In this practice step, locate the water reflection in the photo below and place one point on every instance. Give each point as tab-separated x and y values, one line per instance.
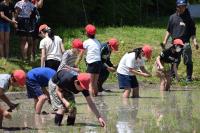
174	111
127	114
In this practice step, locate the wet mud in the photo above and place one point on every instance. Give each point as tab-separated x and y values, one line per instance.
155	111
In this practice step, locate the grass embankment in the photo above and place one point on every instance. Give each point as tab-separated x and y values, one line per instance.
129	37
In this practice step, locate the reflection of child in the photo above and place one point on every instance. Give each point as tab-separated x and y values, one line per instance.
163	62
16	78
132	64
37	80
4	113
67	84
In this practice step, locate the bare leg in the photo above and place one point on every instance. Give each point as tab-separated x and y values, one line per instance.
24	47
135	93
2	44
92	89
7	47
126	93
40	103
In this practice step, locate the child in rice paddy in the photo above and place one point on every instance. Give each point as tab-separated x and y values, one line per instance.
163	62
130	65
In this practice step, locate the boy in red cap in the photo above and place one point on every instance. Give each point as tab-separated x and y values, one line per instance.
168	57
67	84
107	66
70	56
132	64
68	61
16	78
93	57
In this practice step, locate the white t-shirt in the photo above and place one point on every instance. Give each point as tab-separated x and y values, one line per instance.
26	8
129	61
93	48
4	81
53	48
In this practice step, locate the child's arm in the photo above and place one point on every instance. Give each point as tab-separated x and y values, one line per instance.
79	58
143	69
95	111
159	63
5	113
60	95
43	57
175	71
140	73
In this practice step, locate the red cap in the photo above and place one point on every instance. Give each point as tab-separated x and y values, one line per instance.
178	42
113	44
147	51
77	43
20	77
90	29
84	79
42	27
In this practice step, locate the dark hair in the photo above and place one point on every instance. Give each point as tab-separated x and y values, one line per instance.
50	33
137	52
91	36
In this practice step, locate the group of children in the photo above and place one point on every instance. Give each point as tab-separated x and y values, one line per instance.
60	73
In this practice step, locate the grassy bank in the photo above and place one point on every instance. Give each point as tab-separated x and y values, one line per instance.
129	37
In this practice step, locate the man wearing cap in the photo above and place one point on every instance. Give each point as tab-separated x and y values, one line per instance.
107	66
67	84
16	78
182	26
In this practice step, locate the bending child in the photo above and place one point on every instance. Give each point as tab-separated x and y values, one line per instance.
16	78
163	62
132	64
69	83
107	66
37	80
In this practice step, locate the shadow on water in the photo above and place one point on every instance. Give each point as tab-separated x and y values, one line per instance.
87	124
18	128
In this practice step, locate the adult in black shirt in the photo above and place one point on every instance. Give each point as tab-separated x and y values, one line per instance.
182	26
163	61
107	66
69	83
6	18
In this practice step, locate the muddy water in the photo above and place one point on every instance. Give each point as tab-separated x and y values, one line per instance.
175	111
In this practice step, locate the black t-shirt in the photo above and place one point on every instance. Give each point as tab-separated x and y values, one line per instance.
167	56
7	9
65	81
105	54
181	26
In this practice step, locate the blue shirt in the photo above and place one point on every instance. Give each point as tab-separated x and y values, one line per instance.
41	75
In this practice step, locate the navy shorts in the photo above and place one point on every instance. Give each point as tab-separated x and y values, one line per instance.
94	67
4	27
127	81
34	89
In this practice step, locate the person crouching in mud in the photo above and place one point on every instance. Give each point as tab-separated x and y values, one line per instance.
69	83
163	62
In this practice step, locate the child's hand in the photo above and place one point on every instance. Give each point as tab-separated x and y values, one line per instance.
7	115
102	122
